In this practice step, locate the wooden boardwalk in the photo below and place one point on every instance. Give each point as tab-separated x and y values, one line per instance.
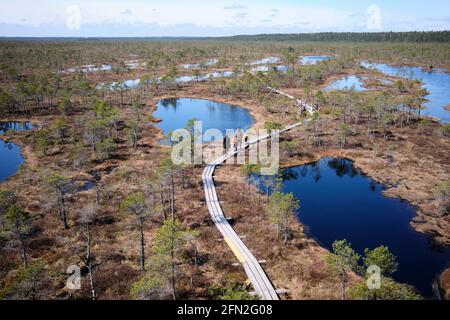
255	273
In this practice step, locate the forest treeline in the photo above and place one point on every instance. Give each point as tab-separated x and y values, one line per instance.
410	36
414	36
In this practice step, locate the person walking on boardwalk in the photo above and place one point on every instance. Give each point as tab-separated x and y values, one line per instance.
239	138
224	144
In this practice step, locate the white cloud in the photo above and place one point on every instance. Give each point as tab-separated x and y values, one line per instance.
127	11
235	7
240	15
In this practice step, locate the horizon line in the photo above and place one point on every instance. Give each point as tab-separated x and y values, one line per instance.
229	36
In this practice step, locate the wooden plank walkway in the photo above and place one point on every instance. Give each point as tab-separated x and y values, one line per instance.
255	273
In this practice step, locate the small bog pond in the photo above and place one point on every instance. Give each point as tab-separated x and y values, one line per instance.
309	60
437	83
135	83
268	60
347	83
354	82
204	77
339	202
10	159
282	69
91	68
208	63
10	156
15	126
176	112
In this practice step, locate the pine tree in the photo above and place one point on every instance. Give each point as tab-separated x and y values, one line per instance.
281	207
342	261
135	204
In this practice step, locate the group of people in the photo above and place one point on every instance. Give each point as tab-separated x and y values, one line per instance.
234	141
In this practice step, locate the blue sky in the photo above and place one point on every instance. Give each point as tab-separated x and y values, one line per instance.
119	18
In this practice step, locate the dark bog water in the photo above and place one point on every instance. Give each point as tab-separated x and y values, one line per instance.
339	202
176	112
437	83
10	157
15	126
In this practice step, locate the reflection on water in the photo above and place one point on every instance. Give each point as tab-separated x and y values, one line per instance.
205	77
268	60
309	60
282	69
15	126
10	159
437	83
339	202
91	68
263	65
176	112
134	83
209	63
348	82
